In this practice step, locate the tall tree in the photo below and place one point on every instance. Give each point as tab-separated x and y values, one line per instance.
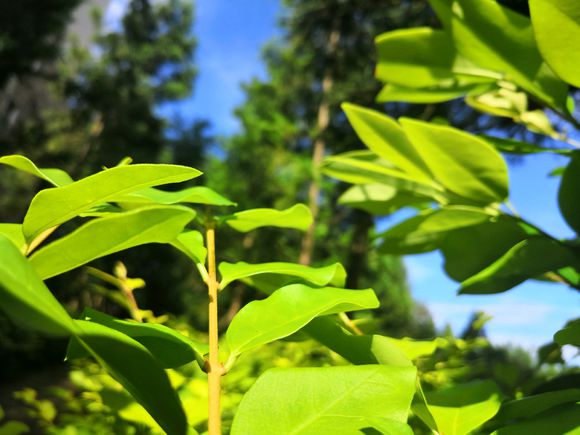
293	119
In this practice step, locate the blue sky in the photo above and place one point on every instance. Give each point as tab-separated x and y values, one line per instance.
231	34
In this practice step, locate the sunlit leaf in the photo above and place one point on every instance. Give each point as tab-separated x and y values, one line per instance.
14	233
51	207
334	274
297	217
514	146
287	310
428	95
557	31
378	199
56	177
460	409
110	234
384	136
463	163
193	195
326	400
191	244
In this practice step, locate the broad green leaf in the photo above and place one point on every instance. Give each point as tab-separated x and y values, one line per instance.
324	401
14	233
357	349
514	146
463	163
56	177
191	244
25	299
569	193
193	195
426	231
564	420
168	346
334	274
287	310
51	207
489	35
387	426
557	31
415	58
110	234
414	349
297	217
384	136
434	94
469	250
569	335
378	199
357	168
528	259
532	405
130	363
460	409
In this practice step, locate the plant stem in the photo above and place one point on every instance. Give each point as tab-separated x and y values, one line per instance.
214	368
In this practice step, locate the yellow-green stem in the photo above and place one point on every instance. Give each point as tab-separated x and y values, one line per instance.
214	368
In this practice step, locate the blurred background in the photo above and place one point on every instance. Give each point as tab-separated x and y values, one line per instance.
248	92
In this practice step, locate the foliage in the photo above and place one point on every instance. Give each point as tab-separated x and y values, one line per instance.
458	181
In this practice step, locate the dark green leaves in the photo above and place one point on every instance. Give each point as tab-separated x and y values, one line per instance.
329	400
104	236
287	310
55	206
25	298
569	335
137	370
569	194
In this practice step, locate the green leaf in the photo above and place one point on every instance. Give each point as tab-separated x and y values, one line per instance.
191	244
378	199
460	409
514	146
494	37
110	234
569	193
324	401
415	58
357	349
564	420
56	177
287	310
130	363
528	259
557	31
14	233
532	405
383	135
168	346
387	426
25	299
463	163
51	207
434	94
359	168
334	274
193	195
569	335
297	217
426	231
469	250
